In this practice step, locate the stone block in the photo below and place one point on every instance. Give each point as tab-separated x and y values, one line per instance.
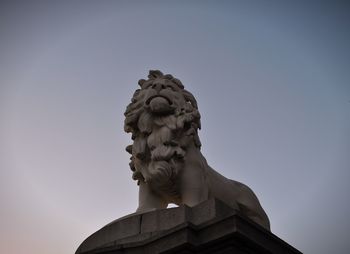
210	227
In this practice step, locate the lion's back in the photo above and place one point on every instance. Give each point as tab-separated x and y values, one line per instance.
223	188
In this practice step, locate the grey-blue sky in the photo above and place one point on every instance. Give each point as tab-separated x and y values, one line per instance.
271	79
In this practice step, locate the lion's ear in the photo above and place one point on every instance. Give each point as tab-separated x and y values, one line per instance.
178	83
169	77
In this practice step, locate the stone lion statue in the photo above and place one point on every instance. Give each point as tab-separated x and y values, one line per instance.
166	159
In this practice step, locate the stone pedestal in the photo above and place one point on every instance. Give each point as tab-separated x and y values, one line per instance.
210	227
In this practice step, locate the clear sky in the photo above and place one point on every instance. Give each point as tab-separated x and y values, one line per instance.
271	79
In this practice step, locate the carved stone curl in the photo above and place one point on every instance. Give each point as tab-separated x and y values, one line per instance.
165	155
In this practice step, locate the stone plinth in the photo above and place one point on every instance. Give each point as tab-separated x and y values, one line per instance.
210	227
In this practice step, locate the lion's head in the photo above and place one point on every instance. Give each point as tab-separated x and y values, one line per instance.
163	118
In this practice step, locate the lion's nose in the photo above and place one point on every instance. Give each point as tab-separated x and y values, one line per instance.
158	87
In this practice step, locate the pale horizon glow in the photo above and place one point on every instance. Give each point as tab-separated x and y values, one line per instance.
272	84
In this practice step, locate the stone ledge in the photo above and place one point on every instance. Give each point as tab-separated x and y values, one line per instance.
210	227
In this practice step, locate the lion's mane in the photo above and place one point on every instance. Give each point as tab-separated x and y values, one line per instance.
160	140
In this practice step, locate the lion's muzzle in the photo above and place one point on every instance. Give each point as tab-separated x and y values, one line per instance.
160	105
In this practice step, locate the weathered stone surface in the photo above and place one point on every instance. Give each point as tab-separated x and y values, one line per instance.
210	227
119	229
166	160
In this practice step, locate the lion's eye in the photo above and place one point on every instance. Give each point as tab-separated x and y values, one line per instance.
171	87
